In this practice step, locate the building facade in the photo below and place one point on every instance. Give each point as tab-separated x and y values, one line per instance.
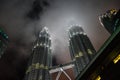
3	42
110	20
40	59
81	49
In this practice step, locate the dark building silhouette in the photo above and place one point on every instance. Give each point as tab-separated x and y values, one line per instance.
110	20
3	42
41	59
81	49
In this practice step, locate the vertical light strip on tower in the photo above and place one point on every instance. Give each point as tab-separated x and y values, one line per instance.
41	59
80	47
3	42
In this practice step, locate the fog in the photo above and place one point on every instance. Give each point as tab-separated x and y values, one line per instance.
23	19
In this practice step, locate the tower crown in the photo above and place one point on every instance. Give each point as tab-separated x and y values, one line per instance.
44	32
75	29
43	39
45	29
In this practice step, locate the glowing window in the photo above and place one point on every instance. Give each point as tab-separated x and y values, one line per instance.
98	78
116	59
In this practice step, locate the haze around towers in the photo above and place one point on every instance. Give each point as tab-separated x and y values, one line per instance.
57	15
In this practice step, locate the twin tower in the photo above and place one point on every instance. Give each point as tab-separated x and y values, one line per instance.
40	61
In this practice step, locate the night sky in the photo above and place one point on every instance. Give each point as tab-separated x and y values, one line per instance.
23	19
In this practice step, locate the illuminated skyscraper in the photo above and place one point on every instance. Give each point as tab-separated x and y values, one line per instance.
41	59
3	42
81	49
